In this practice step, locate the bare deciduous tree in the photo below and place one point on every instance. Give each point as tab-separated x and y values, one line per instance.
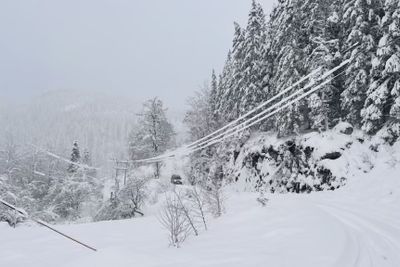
186	212
196	198
175	222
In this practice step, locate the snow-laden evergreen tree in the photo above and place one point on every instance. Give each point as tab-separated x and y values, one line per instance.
288	45
232	104
154	133
300	37
379	106
392	66
321	29
254	56
224	92
213	99
361	21
75	158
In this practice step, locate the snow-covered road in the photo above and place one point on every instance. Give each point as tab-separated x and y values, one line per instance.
371	241
358	225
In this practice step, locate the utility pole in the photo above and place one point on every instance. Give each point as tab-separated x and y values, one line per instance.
121	165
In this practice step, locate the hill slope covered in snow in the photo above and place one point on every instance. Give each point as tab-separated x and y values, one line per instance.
355	225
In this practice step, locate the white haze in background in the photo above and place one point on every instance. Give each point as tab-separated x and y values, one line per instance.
136	49
79	70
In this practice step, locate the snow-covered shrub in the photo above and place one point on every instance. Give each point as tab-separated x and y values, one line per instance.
127	203
132	196
109	211
69	196
6	214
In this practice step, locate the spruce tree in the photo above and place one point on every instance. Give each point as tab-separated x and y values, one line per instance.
378	106
232	106
75	158
361	21
392	66
225	90
214	94
320	28
288	51
254	50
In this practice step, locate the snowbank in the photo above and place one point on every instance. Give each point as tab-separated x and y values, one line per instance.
356	225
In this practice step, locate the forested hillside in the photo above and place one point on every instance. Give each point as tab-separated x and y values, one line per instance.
359	40
270	54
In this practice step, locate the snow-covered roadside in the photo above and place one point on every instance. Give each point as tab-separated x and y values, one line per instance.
357	225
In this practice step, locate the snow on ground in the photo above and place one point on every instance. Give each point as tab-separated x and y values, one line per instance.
357	225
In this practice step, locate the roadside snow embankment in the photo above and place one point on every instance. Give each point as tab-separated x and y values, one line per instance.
356	225
306	163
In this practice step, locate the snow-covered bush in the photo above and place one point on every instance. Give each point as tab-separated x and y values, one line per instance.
69	196
6	214
126	203
132	196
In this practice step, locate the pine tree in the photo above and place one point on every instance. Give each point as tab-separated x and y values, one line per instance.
287	47
392	66
361	20
225	89
232	105
75	158
254	51
378	106
213	99
323	44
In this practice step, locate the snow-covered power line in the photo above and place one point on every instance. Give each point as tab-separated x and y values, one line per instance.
42	223
250	112
256	108
244	125
203	142
80	165
318	87
262	105
269	114
299	91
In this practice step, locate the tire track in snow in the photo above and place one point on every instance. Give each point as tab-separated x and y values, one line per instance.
371	235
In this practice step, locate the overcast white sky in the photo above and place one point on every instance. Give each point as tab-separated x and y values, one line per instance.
134	48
